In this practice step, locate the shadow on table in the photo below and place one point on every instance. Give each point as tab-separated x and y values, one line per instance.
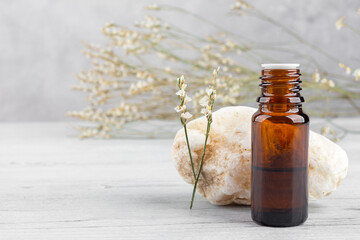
178	203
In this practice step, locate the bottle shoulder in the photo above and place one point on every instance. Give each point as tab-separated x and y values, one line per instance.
290	118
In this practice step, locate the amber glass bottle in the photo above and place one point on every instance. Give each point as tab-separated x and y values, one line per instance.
280	136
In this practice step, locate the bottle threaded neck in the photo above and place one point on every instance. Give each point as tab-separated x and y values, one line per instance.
280	86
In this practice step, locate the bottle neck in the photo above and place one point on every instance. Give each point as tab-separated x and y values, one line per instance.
280	108
280	90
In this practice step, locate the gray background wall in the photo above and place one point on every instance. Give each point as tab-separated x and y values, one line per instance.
40	42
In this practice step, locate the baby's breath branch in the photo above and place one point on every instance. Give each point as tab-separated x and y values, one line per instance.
220	28
184	114
199	17
130	79
207	102
339	24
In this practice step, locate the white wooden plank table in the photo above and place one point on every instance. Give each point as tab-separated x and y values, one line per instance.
54	186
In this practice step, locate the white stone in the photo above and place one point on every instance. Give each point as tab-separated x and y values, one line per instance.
226	170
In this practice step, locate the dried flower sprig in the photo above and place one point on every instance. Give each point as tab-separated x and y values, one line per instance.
339	24
184	99
184	114
207	103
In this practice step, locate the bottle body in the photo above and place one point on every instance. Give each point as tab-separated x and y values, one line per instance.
280	136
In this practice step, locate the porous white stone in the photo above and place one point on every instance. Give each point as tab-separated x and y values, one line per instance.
225	177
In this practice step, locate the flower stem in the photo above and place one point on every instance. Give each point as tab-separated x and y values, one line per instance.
201	163
188	146
353	29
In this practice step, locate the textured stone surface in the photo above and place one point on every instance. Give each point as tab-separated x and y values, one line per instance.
226	171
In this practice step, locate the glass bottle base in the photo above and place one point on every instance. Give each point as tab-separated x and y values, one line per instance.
279	217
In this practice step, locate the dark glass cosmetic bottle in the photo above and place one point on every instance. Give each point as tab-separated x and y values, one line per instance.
280	136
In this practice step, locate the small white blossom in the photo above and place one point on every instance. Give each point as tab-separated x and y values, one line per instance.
214	73
240	5
180	81
331	83
207	103
209	91
185	116
325	130
356	74
316	76
187	99
340	23
206	111
346	68
168	70
180	108
204	101
184	99
152	7
327	82
181	93
183	87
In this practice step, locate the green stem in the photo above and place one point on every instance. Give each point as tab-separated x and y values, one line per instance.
355	30
188	146
201	163
201	18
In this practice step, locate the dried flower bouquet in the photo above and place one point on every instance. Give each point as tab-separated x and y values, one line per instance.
132	75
